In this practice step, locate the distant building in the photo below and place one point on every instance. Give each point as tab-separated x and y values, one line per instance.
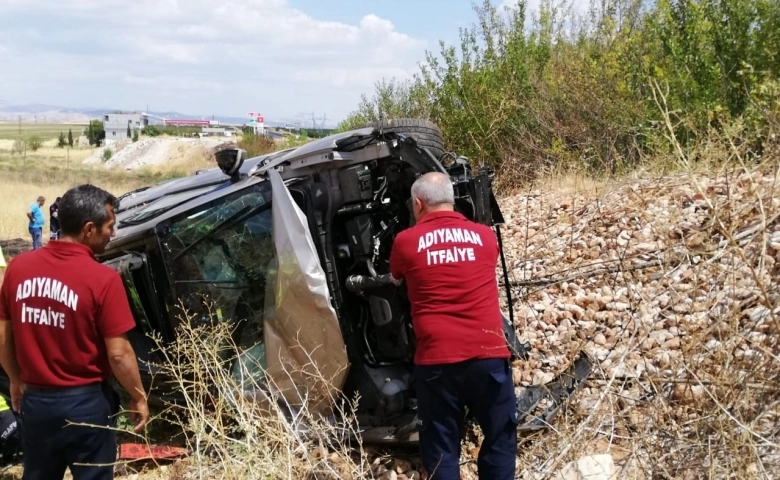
115	125
215	132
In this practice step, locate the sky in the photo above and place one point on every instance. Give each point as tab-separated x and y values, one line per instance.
286	59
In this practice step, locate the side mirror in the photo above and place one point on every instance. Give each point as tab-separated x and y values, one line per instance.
230	160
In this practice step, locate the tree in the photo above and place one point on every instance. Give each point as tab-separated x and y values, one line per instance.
61	142
135	135
95	132
34	143
151	131
70	137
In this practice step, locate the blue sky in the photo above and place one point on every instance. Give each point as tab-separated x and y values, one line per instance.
284	58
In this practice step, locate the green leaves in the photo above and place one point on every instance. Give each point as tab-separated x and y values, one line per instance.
564	90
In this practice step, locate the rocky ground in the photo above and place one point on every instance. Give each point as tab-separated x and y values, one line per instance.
671	286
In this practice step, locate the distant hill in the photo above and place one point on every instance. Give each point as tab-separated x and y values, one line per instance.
41	113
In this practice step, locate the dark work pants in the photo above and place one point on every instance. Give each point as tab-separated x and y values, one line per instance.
443	392
50	444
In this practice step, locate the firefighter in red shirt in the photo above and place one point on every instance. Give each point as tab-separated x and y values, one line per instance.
63	324
462	359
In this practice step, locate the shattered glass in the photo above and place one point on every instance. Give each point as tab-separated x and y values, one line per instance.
218	257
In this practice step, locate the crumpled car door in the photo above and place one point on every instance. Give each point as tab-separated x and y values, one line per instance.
306	358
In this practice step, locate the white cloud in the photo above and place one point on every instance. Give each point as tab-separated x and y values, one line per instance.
196	56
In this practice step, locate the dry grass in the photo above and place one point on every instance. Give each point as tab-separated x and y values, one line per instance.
236	424
51	171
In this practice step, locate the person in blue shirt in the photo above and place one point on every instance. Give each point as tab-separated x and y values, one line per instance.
36	222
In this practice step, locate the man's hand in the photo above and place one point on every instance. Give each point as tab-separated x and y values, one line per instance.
396	282
123	364
17	390
139	412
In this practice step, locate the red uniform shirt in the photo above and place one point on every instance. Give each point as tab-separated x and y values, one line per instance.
62	303
449	265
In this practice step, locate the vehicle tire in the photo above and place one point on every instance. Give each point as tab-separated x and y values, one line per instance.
426	133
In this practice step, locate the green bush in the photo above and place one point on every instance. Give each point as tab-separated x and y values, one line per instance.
34	143
256	145
106	154
151	131
579	92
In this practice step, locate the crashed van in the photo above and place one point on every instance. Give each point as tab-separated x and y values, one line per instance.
292	250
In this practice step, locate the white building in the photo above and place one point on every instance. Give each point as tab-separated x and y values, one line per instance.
115	125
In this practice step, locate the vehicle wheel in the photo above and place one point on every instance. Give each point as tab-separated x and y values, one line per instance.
426	133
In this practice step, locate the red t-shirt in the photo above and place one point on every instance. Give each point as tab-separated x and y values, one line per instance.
62	303
448	264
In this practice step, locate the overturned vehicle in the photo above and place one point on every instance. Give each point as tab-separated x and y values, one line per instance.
292	250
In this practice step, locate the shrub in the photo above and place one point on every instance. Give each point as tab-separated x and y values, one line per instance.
34	143
151	131
19	146
256	144
106	154
578	92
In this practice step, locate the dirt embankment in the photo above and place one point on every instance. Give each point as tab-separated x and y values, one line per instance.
158	151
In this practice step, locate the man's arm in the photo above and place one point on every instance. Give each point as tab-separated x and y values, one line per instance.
124	366
396	261
114	320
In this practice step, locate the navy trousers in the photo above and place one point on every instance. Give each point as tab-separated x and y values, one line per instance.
443	393
50	444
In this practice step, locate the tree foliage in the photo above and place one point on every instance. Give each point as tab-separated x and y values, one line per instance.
95	133
34	143
530	94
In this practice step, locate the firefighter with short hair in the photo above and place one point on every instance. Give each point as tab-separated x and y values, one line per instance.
462	359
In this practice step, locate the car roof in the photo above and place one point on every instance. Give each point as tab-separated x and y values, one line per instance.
198	180
191	199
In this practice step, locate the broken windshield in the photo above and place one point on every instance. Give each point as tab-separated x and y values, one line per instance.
218	256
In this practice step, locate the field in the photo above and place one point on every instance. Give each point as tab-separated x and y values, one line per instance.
13	131
51	171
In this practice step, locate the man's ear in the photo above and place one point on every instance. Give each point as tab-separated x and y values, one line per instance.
89	229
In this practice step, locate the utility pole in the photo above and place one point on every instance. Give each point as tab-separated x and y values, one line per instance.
20	124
